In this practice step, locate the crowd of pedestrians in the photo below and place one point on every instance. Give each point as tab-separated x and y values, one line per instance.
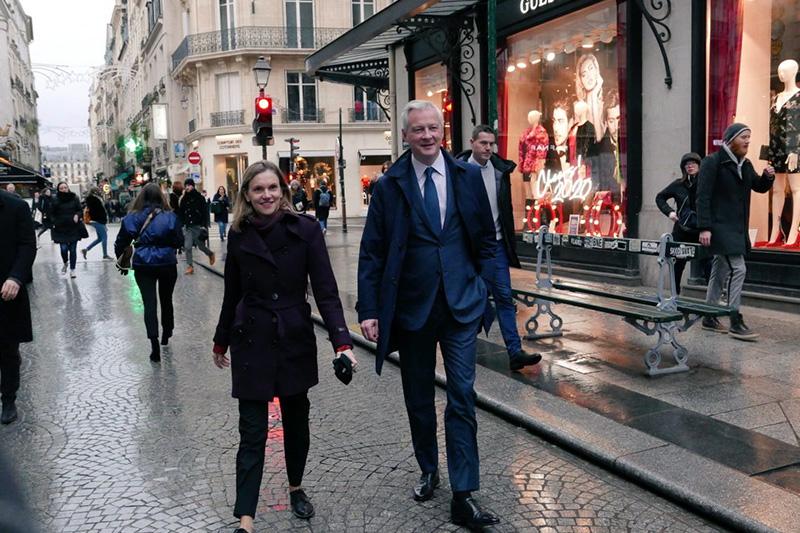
439	239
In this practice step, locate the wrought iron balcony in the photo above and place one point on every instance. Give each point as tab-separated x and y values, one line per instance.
370	113
227	118
254	37
303	115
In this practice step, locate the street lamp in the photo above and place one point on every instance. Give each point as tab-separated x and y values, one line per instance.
261	71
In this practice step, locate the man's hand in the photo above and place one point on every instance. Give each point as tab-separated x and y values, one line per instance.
705	238
769	170
10	290
370	329
673	216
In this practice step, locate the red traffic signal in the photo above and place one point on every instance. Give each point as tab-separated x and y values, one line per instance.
263	108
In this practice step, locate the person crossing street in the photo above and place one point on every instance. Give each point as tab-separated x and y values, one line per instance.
194	215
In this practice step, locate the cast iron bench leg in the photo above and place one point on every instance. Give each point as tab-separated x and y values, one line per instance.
543	307
667	336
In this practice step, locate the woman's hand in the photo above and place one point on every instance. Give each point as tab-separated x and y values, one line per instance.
350	355
221	360
673	216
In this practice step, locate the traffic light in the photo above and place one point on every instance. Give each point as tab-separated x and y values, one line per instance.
262	124
294	148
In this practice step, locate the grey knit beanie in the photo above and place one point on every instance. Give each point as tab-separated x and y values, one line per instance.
733	131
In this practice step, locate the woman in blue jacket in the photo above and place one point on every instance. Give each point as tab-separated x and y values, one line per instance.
157	233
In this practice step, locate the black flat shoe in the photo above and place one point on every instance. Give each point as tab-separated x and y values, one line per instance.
165	338
155	351
240	530
423	491
468	514
9	413
521	359
301	505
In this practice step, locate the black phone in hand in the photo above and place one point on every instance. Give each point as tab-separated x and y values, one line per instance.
343	368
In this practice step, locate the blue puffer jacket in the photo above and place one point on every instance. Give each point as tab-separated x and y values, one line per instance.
156	247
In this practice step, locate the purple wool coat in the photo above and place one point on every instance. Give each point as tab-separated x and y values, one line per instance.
266	318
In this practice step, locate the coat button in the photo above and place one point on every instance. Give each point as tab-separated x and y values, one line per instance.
274	296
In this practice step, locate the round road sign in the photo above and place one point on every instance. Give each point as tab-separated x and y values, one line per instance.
194	158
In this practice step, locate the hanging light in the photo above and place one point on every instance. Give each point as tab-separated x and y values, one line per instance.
550	55
535	60
430	93
511	68
569	48
522	64
587	43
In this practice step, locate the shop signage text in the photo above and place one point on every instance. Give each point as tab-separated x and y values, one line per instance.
529	6
564	185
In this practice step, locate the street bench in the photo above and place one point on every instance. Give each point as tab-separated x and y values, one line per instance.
653	314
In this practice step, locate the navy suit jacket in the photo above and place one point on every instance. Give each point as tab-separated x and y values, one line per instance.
382	259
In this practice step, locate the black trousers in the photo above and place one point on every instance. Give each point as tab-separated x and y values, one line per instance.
10	362
160	282
253	425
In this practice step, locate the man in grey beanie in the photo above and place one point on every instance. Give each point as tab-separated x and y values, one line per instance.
723	216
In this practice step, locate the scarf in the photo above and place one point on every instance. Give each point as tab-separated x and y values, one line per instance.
735	159
263	224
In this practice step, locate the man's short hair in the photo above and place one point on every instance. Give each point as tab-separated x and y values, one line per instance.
611	99
419	105
482	128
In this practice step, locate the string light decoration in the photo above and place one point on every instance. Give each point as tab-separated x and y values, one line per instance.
603	203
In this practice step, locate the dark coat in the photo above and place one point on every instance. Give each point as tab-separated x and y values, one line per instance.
221	205
156	246
63	209
683	193
265	316
300	200
723	201
193	210
17	252
502	170
97	212
386	233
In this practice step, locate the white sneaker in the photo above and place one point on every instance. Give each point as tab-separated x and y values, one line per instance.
72	274
64	269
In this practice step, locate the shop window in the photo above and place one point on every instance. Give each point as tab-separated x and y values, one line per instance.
365	105
752	78
430	83
561	118
311	172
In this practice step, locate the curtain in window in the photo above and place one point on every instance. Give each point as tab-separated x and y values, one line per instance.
727	20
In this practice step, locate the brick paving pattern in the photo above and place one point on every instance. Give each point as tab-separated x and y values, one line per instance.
108	441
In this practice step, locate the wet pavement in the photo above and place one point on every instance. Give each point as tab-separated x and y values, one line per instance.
108	441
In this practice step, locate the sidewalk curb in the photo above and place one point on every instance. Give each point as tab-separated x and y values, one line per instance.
722	494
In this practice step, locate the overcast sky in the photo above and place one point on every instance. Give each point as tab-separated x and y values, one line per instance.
71	33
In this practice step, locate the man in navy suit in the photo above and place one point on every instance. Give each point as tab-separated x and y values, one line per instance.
428	239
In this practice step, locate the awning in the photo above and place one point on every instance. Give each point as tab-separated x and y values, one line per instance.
366	152
10	173
360	56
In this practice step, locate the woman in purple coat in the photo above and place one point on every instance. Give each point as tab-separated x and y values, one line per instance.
266	322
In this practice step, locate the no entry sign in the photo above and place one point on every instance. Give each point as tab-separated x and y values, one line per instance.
194	158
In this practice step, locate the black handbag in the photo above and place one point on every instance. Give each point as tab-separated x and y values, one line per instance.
123	262
687	217
82	231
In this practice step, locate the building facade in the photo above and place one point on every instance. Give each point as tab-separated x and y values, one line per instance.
19	125
596	100
71	163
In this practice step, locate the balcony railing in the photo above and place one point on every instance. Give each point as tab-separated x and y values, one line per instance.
367	114
227	118
257	37
303	115
192	125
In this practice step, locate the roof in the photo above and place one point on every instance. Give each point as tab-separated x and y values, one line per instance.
365	47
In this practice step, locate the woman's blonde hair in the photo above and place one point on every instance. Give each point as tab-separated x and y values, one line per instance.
242	209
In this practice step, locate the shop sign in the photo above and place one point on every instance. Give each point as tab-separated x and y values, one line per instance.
229	142
682	251
563	185
529	6
650	247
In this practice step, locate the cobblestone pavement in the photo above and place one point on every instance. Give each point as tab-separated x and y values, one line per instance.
108	441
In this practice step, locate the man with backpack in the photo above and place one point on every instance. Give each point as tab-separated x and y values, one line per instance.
323	198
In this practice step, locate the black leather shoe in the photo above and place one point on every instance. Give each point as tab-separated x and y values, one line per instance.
301	505
240	530
165	337
522	359
468	514
9	413
423	491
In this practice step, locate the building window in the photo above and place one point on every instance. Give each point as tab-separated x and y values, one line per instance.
561	118
301	91
430	83
299	24
362	10
229	92
227	25
365	105
752	78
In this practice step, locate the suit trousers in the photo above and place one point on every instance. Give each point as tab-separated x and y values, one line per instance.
253	426
157	283
10	362
417	366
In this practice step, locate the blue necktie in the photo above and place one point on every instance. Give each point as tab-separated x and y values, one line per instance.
432	201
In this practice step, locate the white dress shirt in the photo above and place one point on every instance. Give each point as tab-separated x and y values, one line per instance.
490	183
439	180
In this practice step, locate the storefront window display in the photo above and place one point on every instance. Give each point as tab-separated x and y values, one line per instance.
561	120
430	83
311	172
752	78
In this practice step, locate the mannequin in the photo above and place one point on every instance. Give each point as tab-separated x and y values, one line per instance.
533	145
582	138
784	146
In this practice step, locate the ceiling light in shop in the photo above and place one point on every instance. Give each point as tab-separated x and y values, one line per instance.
430	93
569	48
511	68
550	56
587	43
522	64
536	60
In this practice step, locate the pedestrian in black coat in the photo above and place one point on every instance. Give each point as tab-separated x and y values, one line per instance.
323	200
68	229
266	322
98	219
45	202
194	215
723	215
17	252
220	206
683	192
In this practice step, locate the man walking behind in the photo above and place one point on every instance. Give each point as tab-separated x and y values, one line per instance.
194	215
17	252
496	174
428	235
723	212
